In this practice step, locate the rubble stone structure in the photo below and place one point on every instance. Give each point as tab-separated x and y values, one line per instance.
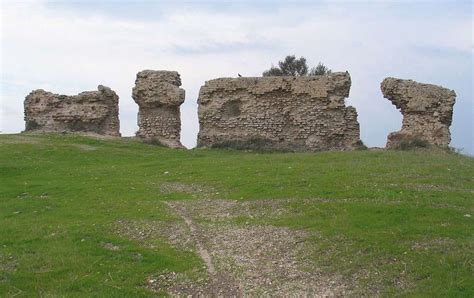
159	97
89	112
290	113
427	111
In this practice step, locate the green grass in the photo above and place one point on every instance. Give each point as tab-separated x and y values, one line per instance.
398	216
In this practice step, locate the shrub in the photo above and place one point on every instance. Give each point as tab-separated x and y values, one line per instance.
361	146
291	66
154	142
412	144
31	125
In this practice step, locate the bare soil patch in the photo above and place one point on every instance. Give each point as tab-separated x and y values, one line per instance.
245	259
147	231
111	246
195	189
7	263
220	210
439	244
269	260
434	187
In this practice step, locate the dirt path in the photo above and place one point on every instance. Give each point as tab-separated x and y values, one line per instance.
219	283
203	253
244	260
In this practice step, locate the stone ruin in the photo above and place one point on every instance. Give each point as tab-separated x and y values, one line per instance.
91	112
305	113
159	97
427	111
285	113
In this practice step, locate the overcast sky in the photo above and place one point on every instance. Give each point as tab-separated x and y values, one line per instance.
72	46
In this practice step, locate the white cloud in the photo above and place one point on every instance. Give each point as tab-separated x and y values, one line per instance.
66	51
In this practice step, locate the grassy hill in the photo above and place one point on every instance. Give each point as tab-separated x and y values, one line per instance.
89	217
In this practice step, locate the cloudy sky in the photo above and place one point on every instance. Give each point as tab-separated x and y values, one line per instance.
71	46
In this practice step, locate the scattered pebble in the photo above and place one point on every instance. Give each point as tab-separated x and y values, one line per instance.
249	259
111	246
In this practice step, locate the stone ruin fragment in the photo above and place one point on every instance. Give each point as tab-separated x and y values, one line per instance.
427	111
305	113
159	97
89	112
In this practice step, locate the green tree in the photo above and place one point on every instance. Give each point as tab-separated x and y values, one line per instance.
291	66
319	70
273	72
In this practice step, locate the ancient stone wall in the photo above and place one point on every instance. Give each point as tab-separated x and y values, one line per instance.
90	112
159	97
289	113
427	111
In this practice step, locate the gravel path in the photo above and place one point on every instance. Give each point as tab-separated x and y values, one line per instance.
203	253
243	260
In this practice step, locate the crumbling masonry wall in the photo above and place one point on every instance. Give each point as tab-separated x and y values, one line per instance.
90	112
427	111
159	97
290	113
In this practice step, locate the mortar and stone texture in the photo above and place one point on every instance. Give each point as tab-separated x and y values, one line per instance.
88	112
306	113
159	97
427	111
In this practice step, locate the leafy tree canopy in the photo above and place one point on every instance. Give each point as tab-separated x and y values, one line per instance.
291	66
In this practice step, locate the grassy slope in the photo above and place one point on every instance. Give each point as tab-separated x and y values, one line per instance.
399	216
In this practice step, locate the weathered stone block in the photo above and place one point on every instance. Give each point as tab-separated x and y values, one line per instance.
89	112
289	113
427	111
159	97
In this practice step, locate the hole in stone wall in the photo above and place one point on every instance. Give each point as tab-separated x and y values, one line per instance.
231	108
